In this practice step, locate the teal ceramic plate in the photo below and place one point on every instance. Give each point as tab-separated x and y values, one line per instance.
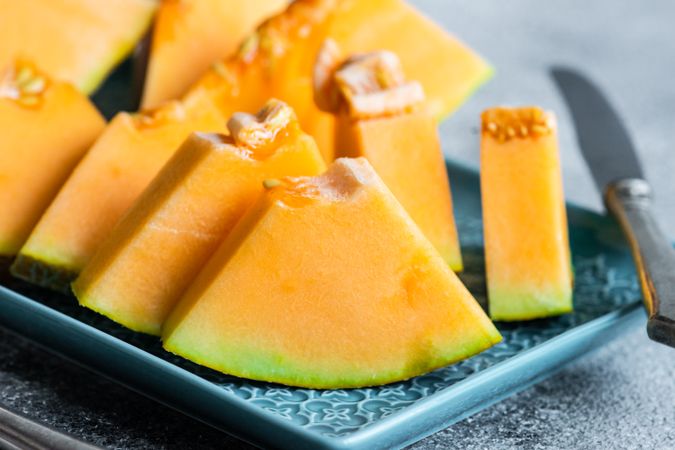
606	300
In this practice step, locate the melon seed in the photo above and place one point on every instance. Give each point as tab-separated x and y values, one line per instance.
33	85
24	74
271	183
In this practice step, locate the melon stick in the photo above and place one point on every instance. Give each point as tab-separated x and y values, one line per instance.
152	255
47	126
382	117
527	253
326	282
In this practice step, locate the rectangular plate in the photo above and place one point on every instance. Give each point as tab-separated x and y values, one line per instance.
606	299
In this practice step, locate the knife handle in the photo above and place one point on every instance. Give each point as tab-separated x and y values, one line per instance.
630	201
19	432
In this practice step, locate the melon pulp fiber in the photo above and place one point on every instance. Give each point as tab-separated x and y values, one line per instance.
277	60
326	282
107	181
152	255
79	41
198	31
529	271
46	128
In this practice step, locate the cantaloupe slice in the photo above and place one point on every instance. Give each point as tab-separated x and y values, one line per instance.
128	154
79	41
448	70
276	61
47	126
381	117
326	282
147	261
189	35
527	252
281	55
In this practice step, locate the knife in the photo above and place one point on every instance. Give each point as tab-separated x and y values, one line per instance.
609	152
20	433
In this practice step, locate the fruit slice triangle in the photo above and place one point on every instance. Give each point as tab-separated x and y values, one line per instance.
326	282
152	255
199	31
78	41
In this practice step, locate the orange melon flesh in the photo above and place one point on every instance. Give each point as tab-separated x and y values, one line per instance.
122	162
283	50
41	121
405	151
147	261
527	252
198	31
326	282
79	41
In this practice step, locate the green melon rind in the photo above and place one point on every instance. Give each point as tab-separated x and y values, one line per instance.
42	273
510	305
258	364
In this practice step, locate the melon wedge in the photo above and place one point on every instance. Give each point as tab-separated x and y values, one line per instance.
529	271
198	31
79	41
122	162
381	116
448	70
278	59
326	282
47	126
151	256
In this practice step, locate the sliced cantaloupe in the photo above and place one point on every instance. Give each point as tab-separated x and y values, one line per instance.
448	70
79	41
281	55
326	282
527	253
128	154
47	126
276	61
198	31
147	261
381	117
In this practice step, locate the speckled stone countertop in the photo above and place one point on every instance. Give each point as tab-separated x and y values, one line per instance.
620	396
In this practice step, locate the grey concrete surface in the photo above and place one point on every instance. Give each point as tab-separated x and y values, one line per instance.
619	397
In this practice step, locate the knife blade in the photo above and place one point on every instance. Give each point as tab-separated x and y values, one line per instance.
609	152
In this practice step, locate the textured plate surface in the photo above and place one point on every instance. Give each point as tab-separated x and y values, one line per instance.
606	299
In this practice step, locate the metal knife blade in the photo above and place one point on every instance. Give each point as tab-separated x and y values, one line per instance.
605	143
613	161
